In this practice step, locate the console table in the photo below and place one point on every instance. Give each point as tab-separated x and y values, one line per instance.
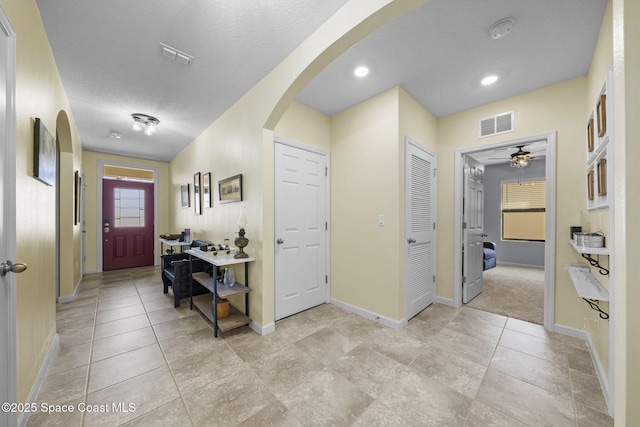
217	289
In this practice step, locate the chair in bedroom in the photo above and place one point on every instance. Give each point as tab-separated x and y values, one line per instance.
489	255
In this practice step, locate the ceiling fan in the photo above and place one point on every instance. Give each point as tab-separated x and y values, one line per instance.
520	158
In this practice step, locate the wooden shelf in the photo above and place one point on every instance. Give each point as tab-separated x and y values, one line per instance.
223	290
204	303
586	285
588	249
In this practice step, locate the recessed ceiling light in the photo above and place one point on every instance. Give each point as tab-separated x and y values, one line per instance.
489	80
361	71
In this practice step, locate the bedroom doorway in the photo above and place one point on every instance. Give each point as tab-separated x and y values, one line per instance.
501	153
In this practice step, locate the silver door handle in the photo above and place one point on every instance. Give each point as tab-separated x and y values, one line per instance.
279	241
410	240
8	266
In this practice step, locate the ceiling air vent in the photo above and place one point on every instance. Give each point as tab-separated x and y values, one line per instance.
495	125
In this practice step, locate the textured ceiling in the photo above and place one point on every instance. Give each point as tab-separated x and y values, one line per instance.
111	63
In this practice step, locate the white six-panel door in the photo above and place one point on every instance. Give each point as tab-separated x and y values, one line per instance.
419	229
472	229
300	230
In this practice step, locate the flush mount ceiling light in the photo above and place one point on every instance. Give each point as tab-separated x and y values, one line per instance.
146	122
501	28
115	134
361	71
489	80
173	53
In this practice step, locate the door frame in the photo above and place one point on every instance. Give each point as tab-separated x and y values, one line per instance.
327	155
550	232
156	206
8	160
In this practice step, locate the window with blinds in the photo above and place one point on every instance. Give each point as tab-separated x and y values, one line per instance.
523	208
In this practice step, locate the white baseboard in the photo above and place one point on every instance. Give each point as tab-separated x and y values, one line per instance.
395	324
515	264
445	301
262	330
580	333
70	298
33	394
91	272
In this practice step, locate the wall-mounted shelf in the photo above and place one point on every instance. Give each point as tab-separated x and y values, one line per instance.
588	288
588	249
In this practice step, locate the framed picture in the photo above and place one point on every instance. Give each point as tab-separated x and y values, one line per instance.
44	154
590	183
77	185
602	177
185	196
206	190
196	194
602	115
230	189
590	135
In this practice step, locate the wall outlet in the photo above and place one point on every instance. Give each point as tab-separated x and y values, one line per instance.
380	220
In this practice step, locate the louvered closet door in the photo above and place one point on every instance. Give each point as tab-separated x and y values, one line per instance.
420	229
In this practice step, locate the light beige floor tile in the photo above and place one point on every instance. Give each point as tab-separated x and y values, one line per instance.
201	342
482	316
534	346
326	399
357	328
476	328
238	398
156	305
64	386
379	415
156	296
57	418
458	373
367	369
462	345
77	321
181	326
326	345
122	343
119	313
251	346
580	360
114	292
274	414
539	372
587	391
120	326
297	327
67	358
119	368
421	330
527	328
396	345
525	402
146	392
587	417
72	337
74	310
482	415
284	370
426	402
438	314
171	414
114	303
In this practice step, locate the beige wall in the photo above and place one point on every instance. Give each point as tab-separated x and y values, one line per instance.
39	93
91	182
306	126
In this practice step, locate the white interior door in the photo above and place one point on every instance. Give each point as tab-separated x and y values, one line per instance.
300	230
419	229
7	219
472	229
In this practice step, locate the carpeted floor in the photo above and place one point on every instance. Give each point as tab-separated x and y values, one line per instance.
516	292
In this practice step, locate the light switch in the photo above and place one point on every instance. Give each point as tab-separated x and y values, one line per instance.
380	220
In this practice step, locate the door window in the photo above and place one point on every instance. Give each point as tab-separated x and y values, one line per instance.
129	207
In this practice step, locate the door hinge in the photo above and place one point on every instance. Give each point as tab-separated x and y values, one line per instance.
326	280
434	225
464	225
326	225
434	278
464	279
326	171
435	172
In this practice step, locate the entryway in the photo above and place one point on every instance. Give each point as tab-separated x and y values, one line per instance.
301	228
549	216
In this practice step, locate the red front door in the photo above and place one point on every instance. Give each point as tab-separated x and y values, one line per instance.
127	224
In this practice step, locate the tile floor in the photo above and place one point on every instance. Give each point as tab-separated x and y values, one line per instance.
122	342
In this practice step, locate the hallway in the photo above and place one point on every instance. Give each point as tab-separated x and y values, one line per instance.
122	342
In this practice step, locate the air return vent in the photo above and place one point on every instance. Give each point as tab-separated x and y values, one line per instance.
495	125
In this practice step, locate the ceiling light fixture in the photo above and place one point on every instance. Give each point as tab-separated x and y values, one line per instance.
501	28
146	122
115	134
361	71
489	80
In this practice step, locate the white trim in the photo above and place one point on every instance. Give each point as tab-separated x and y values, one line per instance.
445	301
395	324
262	330
597	364
156	207
327	156
8	317
515	264
549	251
72	297
33	393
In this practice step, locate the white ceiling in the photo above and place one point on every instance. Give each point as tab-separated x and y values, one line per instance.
111	64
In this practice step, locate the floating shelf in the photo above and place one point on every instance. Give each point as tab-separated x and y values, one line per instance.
588	249
586	285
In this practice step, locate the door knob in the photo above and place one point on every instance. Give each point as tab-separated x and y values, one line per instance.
8	266
279	241
484	235
411	240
